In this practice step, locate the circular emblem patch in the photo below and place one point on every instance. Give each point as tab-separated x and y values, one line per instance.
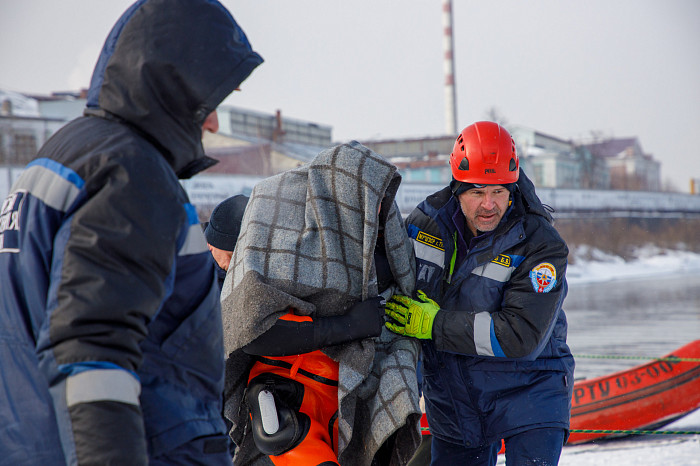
543	277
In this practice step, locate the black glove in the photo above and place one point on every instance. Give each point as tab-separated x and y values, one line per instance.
364	319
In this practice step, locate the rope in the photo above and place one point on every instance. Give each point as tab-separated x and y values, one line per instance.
612	356
625	432
636	432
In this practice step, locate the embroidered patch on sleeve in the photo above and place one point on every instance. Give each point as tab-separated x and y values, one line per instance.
430	240
543	277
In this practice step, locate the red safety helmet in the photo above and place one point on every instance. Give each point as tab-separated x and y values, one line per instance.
484	153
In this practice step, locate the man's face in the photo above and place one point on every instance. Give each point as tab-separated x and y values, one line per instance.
223	258
484	207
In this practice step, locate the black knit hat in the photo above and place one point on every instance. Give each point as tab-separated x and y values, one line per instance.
225	223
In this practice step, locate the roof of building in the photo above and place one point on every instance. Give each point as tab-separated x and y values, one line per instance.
439	161
246	154
245	160
611	147
16	104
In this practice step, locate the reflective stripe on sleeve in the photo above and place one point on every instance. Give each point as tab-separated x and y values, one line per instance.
51	182
429	253
494	272
482	334
102	385
195	243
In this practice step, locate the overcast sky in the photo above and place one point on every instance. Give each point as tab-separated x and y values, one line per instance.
373	69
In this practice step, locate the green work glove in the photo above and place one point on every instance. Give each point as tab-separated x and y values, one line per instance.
414	317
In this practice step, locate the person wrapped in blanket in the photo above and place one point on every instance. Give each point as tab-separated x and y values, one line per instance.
312	375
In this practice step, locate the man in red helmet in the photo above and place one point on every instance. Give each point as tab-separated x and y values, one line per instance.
491	280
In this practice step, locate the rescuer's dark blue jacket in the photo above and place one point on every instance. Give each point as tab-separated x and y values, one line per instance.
498	362
110	326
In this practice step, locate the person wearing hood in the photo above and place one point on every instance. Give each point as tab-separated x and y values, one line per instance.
112	348
312	375
488	310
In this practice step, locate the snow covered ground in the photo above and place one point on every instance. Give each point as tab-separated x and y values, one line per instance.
657	450
592	265
662	450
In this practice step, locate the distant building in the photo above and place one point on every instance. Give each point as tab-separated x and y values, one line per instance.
432	169
259	144
255	143
549	161
235	121
23	128
630	168
237	156
248	142
419	160
62	105
412	148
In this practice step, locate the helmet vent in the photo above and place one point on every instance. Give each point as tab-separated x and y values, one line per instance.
464	164
511	167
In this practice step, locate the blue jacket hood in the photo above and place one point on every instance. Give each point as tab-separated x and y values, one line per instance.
164	67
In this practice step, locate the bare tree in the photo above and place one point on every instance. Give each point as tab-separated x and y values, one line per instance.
669	186
495	115
598	135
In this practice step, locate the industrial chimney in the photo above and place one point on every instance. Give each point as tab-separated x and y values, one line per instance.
448	67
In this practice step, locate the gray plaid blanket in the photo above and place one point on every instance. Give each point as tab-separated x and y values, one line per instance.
307	242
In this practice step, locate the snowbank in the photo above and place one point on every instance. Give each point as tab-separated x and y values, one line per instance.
592	265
